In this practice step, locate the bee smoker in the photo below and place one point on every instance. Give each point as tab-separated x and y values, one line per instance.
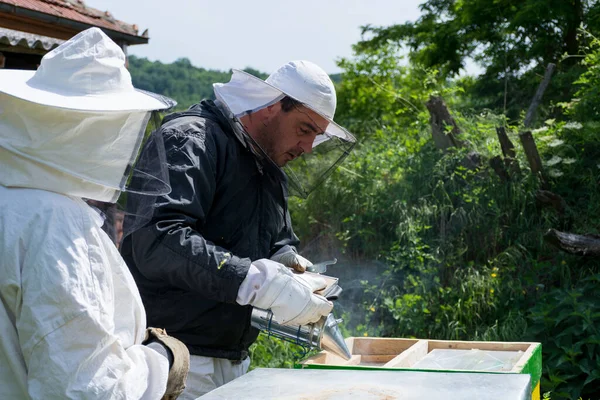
323	334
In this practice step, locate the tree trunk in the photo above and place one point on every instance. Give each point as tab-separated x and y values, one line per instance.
574	20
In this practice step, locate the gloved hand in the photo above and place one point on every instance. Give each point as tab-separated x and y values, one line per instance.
292	260
272	286
179	360
312	281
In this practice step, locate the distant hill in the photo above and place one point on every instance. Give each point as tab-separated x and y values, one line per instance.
181	80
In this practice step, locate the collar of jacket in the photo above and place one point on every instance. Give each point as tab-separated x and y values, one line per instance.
233	125
262	160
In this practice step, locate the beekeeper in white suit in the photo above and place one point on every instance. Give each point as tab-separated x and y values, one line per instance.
72	322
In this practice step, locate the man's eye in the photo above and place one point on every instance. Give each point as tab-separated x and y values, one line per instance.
304	131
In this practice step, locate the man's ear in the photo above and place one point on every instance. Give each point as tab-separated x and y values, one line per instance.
273	109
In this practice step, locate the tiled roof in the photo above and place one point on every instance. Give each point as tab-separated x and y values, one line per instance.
17	38
76	10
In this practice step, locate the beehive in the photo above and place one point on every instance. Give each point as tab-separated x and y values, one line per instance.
436	355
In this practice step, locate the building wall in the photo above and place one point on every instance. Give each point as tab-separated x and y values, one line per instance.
14	60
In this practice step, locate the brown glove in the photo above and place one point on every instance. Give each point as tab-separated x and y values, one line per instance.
181	360
292	260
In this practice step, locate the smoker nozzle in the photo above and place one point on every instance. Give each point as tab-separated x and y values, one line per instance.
332	339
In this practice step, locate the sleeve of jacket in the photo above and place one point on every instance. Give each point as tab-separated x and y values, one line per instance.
66	322
172	248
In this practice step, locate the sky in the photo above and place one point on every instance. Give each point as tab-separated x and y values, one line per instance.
261	34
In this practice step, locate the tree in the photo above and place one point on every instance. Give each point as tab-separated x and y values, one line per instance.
179	80
513	40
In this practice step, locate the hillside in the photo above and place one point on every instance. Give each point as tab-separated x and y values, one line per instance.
180	80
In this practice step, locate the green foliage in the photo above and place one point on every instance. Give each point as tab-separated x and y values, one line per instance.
270	352
586	105
180	80
567	320
512	40
462	252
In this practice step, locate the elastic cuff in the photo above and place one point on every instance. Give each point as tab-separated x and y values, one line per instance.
162	350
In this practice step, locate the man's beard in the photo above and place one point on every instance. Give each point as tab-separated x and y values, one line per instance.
269	137
266	138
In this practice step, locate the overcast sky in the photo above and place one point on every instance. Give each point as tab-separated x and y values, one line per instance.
262	34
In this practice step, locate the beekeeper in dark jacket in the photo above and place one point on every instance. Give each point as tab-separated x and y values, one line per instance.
222	242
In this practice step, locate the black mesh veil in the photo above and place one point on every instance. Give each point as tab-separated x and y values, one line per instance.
306	173
147	172
148	178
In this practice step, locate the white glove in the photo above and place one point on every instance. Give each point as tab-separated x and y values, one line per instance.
272	286
288	257
312	281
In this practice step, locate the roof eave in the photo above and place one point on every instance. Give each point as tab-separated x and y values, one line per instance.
70	24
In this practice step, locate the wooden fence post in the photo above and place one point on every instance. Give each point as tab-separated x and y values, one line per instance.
439	119
531	151
583	245
533	156
498	167
508	151
537	98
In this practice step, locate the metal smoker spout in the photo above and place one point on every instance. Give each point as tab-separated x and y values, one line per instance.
332	339
323	334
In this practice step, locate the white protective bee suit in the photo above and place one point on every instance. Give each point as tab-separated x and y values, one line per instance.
71	318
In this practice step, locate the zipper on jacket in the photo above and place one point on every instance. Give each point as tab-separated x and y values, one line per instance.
285	207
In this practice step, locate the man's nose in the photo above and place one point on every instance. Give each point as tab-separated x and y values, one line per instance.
307	144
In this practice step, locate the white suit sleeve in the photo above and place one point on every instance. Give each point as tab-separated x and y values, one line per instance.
81	321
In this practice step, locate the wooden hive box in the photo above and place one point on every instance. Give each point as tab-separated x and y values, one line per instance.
406	354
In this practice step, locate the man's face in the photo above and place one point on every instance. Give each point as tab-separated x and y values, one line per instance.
286	135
